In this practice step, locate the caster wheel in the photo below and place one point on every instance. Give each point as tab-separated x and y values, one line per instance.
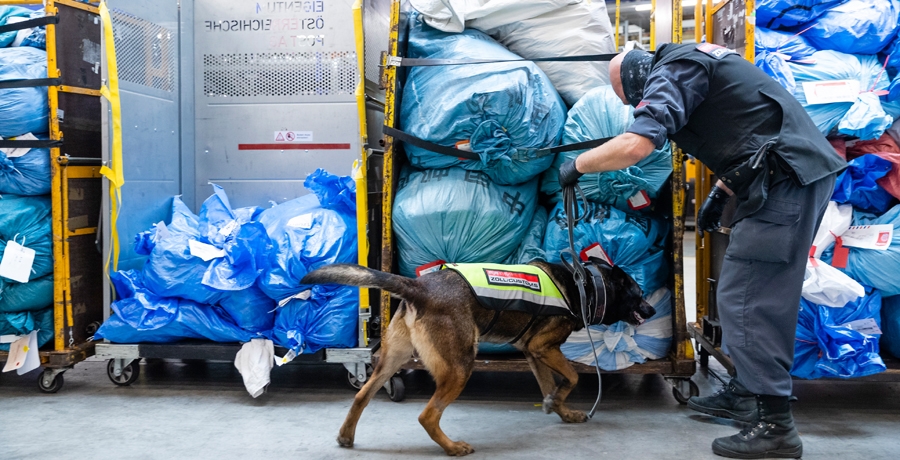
91	328
354	382
129	373
396	389
53	385
693	390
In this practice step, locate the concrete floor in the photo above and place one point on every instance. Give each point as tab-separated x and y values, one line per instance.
200	410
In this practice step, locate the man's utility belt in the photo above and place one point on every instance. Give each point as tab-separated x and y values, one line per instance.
750	180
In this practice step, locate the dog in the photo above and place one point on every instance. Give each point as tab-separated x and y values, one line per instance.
442	320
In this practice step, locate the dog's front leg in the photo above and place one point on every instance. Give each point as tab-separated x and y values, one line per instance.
555	401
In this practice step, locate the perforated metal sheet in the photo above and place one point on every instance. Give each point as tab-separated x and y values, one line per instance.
280	74
376	28
146	52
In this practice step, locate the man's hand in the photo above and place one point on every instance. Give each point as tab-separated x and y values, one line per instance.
568	175
710	215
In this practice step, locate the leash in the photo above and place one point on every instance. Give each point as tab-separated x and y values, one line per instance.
579	273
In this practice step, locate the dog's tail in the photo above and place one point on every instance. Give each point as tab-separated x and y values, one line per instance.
355	275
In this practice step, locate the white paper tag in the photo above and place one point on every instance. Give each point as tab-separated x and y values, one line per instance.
866	326
288	357
16	153
639	200
205	251
304	221
162	231
430	267
869	236
23	354
595	250
17	261
826	92
227	229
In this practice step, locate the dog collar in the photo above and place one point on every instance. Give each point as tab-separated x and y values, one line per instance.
597	293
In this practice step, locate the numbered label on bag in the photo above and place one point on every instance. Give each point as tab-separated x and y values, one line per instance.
17	261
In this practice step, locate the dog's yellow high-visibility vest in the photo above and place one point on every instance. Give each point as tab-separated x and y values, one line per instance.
524	288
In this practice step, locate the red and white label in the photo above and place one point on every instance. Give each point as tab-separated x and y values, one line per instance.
429	267
639	200
508	278
595	250
869	236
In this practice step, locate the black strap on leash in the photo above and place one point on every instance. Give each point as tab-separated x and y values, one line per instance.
30	144
468	155
30	83
36	22
397	61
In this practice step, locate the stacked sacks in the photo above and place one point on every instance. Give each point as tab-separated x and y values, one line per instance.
877	268
773	51
23	323
779	14
503	112
855	26
621	345
23	110
25	171
25	221
459	216
307	233
600	114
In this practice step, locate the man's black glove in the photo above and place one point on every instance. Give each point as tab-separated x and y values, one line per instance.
711	212
568	175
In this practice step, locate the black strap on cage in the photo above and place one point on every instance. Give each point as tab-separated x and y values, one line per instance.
30	83
397	61
465	154
36	22
29	144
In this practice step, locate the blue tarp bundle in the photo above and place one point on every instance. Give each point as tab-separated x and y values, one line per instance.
23	323
26	220
875	267
864	118
828	346
459	216
776	14
309	232
142	316
633	242
28	174
600	114
229	279
532	245
890	325
328	318
6	13
857	186
503	110
856	26
621	345
23	110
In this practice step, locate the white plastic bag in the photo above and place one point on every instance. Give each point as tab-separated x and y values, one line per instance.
573	30
456	15
254	361
835	222
826	285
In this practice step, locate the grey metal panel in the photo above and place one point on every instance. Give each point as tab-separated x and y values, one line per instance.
186	49
261	68
147	52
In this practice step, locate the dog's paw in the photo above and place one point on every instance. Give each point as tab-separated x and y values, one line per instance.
345	441
458	449
574	416
548	405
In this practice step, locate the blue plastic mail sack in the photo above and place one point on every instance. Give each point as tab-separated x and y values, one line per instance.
504	111
600	114
459	216
787	43
838	342
309	232
7	13
141	316
28	174
235	248
633	242
856	26
34	295
328	318
890	325
23	110
25	322
857	186
621	345
868	115
26	219
875	267
775	66
777	14
532	245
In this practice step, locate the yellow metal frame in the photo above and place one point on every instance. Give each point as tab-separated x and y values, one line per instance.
361	168
387	203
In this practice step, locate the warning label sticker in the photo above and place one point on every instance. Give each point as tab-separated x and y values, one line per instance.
293	136
508	278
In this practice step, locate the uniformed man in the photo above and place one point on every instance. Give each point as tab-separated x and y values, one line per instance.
771	157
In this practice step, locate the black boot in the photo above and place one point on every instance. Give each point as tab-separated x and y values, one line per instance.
733	402
773	435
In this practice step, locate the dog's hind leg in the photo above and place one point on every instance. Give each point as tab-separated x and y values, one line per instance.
450	360
396	350
555	401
